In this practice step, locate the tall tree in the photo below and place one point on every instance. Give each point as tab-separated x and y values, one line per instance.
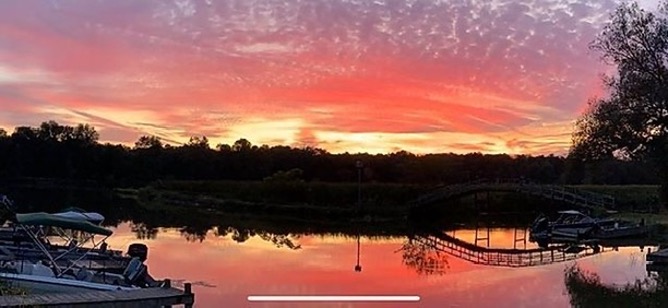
148	142
198	142
632	122
86	134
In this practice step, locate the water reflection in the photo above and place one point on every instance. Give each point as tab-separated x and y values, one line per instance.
231	257
391	265
358	267
144	232
240	236
423	259
586	289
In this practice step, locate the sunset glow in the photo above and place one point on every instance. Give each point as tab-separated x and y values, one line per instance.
359	76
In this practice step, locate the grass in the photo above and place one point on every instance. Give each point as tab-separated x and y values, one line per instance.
319	200
628	196
211	205
298	192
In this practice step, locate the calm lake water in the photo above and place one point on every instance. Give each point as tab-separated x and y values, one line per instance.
228	258
225	272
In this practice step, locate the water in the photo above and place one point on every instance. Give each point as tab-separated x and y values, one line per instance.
225	272
228	258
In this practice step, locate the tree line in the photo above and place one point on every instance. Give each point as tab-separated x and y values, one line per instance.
59	151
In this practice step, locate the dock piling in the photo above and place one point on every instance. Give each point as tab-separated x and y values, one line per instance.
187	289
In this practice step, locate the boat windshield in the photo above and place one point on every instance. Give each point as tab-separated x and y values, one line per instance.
572	218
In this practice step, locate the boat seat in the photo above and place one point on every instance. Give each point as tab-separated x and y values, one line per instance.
40	269
84	275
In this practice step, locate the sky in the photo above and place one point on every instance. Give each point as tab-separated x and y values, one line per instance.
377	76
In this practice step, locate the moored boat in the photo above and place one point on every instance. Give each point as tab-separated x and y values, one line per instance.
64	271
570	226
620	230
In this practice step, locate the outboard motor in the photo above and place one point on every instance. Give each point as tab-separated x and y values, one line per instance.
135	272
539	231
540	224
138	250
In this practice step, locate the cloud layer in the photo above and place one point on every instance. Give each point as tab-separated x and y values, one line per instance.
345	75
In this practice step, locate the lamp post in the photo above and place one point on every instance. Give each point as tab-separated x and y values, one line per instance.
358	267
359	166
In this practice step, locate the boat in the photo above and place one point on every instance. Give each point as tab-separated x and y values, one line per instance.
77	213
63	271
620	230
570	226
16	240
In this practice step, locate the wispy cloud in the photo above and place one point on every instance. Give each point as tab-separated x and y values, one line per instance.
345	75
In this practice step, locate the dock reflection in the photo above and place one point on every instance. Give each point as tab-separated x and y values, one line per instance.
500	248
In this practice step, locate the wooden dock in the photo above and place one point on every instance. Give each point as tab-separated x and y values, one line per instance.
657	261
149	297
570	195
659	256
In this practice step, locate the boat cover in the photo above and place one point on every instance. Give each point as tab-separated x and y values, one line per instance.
46	219
571	212
93	217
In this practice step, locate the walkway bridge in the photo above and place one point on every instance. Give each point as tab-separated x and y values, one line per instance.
571	195
505	257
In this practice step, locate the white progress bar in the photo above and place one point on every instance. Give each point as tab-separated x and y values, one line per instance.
331	298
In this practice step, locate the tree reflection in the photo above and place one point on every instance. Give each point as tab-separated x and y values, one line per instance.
238	235
194	233
586	290
144	232
424	259
279	240
242	234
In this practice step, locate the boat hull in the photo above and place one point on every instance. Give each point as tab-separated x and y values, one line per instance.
39	284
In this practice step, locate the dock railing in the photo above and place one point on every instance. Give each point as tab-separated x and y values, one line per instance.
502	256
572	195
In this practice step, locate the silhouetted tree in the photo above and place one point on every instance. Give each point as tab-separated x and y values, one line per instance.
241	145
148	142
85	134
198	142
632	123
61	151
586	290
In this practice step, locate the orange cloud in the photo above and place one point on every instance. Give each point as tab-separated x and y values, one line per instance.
341	75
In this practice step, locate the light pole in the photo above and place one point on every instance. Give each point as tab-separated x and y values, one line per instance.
359	166
358	267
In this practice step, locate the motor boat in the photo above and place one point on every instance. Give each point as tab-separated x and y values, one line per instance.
569	226
64	271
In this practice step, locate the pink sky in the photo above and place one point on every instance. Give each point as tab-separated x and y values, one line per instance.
344	75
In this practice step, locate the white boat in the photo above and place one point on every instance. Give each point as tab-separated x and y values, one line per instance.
571	225
50	275
40	278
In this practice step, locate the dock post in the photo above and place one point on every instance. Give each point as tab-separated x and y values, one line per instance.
167	284
187	289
